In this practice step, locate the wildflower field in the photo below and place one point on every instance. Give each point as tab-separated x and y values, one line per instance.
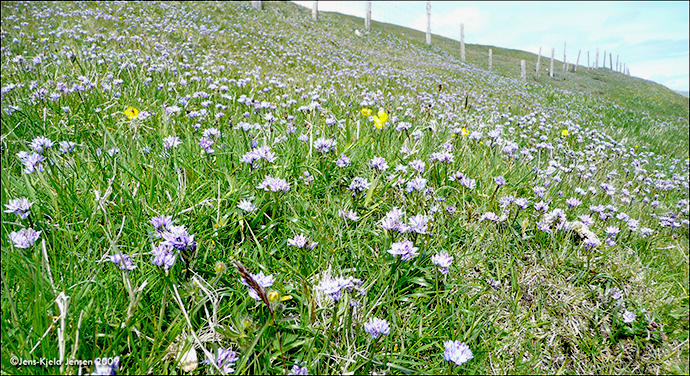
209	188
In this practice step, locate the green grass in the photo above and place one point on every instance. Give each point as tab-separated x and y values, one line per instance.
553	311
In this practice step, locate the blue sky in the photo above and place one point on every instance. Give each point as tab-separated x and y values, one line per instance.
650	37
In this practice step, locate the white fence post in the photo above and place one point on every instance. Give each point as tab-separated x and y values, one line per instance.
258	4
523	71
428	22
596	59
490	61
553	51
538	62
588	66
603	61
315	11
367	16
462	42
565	65
577	61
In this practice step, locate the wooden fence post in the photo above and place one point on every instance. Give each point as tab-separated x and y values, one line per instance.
428	22
538	63
565	65
490	62
462	42
596	60
577	61
553	51
367	16
603	61
617	66
258	4
610	62
315	11
523	71
588	66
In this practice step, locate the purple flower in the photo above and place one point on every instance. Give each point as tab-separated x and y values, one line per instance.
416	184
505	201
443	156
123	261
348	214
418	165
378	163
612	231
171	142
586	220
615	293
161	224
443	261
359	185
41	144
628	317
32	162
522	203
24	238
67	147
376	327
206	143
177	237
324	145
541	205
274	184
418	224
301	241
456	352
405	249
334	287
225	360
494	283
20	207
262	280
163	256
343	161
263	152
573	202
297	369
247	206
589	243
490	216
468	183
500	181
104	369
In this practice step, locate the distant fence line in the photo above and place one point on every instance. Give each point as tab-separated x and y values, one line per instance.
619	67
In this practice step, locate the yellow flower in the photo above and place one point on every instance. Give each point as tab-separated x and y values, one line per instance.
465	132
637	146
565	132
380	119
366	112
132	113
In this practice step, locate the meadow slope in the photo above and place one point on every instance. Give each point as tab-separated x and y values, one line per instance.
209	188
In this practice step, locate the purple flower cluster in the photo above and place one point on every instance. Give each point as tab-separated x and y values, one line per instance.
405	249
376	327
262	280
301	241
274	184
24	238
263	152
456	352
443	261
20	206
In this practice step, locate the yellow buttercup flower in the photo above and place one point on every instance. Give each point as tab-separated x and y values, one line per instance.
465	132
132	113
565	132
365	111
380	119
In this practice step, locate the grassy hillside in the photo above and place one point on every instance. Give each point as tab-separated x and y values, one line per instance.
207	188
